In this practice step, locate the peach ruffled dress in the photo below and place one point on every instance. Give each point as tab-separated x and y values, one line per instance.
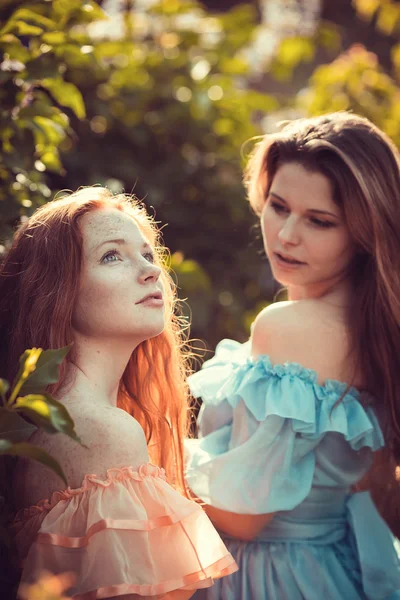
128	533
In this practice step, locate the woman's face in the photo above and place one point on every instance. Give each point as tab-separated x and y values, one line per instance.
305	235
121	293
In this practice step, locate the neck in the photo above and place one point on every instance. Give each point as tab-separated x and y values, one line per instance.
337	291
97	370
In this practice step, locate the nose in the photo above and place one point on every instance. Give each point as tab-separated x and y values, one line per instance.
289	232
150	272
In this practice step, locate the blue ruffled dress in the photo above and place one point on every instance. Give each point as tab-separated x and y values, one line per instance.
273	440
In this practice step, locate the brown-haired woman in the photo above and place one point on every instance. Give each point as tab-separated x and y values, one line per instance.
87	269
289	421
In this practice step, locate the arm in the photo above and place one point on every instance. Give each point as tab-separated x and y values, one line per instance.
242	527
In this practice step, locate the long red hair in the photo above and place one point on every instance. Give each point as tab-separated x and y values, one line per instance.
39	285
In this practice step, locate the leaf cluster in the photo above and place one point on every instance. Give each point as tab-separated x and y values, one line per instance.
355	81
36	100
27	406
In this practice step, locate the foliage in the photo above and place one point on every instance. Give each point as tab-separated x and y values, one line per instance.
158	101
356	81
25	407
295	50
36	99
28	398
385	14
167	111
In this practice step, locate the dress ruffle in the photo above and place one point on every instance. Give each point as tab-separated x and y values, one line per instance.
274	440
266	421
274	390
128	533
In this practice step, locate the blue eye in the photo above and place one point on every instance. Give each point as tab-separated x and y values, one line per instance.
110	254
149	256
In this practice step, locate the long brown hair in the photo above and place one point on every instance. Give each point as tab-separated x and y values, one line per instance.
39	284
363	166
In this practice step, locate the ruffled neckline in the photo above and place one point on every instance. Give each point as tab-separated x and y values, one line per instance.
113	475
290	391
239	355
294	369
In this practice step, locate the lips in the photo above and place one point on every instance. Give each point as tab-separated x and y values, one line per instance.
289	259
151	296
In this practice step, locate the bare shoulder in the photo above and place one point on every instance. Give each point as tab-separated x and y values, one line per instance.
307	332
287	318
111	439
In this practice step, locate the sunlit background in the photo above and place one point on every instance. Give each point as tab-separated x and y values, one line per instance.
164	99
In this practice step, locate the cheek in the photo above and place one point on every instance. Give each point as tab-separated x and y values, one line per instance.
100	298
96	293
336	249
269	226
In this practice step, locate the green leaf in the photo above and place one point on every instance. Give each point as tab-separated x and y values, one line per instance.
396	56
47	132
4	386
54	38
46	372
13	427
18	52
23	28
41	108
294	50
366	8
26	450
66	94
36	405
29	16
47	413
52	161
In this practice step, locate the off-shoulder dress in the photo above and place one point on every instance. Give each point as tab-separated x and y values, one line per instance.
273	440
128	532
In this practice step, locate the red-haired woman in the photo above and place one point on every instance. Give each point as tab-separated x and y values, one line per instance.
289	422
87	269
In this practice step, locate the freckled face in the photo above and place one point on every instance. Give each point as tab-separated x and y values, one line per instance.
117	274
305	236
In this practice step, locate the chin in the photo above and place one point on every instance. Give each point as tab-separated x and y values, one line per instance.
153	331
286	279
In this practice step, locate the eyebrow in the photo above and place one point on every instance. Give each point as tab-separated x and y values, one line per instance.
313	210
120	242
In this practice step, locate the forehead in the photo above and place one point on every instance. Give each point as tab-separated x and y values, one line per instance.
296	184
109	223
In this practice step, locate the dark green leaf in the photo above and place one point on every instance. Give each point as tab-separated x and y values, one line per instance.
26	450
29	16
23	28
13	427
46	373
66	94
54	38
48	413
4	386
